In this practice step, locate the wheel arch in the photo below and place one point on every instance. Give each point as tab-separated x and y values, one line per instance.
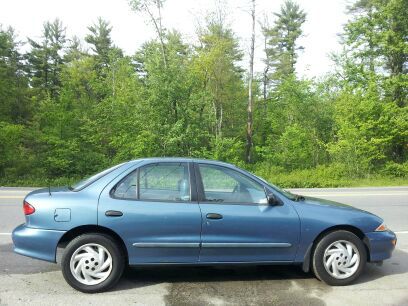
86	229
345	227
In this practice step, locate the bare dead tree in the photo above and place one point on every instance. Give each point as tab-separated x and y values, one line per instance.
249	143
148	6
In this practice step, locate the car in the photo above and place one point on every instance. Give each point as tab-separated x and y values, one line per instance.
185	211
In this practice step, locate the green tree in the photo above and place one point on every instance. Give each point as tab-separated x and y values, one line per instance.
169	108
66	112
14	91
74	50
105	54
281	49
376	38
15	110
101	43
220	80
300	122
375	61
368	130
46	59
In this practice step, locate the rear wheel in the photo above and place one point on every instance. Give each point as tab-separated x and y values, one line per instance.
92	263
339	258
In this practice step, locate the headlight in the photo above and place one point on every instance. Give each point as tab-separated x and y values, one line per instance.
382	228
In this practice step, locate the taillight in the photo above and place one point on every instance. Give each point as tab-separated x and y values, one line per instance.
28	208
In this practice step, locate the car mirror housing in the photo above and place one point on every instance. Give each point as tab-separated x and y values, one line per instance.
273	200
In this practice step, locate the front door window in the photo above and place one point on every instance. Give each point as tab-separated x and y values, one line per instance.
224	185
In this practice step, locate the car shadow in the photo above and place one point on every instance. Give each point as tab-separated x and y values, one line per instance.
136	277
147	276
397	264
227	285
199	278
12	263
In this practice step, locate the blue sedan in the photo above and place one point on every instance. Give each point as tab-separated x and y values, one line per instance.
196	212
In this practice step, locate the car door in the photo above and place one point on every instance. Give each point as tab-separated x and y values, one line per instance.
154	209
238	225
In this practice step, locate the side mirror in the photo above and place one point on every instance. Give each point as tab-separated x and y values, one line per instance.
272	200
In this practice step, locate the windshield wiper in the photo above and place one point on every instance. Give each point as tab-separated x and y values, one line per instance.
299	197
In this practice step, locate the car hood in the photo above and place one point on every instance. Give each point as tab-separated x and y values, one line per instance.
327	213
329	203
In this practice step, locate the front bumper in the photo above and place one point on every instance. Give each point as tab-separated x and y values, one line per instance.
36	243
380	244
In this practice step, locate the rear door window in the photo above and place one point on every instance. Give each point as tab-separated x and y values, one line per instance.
164	182
156	182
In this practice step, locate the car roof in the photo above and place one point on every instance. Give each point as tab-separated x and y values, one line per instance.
181	159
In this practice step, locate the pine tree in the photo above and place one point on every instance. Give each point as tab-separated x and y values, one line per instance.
74	50
46	59
281	48
101	43
14	106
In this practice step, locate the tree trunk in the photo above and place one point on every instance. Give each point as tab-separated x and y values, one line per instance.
249	143
159	31
161	35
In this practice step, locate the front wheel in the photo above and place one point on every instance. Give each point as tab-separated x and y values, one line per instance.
339	258
92	263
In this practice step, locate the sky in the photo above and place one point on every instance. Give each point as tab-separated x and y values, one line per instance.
325	19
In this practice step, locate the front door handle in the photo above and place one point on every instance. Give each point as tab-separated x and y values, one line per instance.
113	213
214	216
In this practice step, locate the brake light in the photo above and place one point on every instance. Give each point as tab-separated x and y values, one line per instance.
28	208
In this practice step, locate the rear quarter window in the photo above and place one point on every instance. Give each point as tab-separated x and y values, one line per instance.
93	178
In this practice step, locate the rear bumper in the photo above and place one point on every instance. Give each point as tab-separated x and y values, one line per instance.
36	243
380	244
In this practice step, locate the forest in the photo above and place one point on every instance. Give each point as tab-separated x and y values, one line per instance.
72	106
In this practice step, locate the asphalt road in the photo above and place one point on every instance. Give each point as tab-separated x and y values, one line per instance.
28	281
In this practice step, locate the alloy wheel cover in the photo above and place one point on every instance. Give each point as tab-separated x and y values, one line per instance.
91	264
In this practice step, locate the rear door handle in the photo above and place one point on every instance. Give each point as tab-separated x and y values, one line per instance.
214	216
113	213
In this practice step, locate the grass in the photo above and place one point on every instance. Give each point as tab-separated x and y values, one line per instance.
37	181
345	182
327	176
282	180
334	175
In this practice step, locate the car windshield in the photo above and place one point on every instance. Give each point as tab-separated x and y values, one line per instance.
285	193
89	180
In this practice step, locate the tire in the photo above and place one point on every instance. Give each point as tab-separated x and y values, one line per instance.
92	263
339	258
